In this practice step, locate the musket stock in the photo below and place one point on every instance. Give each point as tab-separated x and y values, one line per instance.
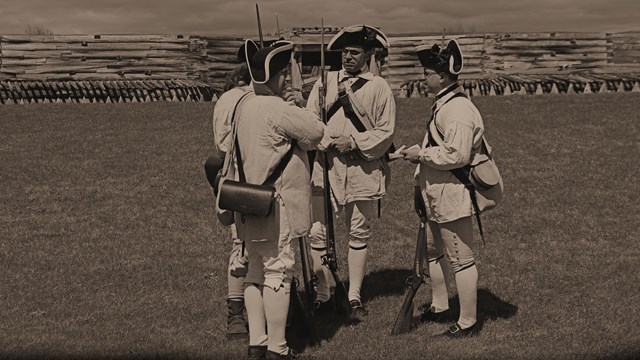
310	282
404	320
297	330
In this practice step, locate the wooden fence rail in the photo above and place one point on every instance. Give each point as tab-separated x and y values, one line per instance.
502	63
527	59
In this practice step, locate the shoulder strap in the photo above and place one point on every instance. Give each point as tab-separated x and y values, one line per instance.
230	152
432	141
281	165
241	176
462	174
343	101
276	172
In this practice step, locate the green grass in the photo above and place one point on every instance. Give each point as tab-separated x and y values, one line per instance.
110	247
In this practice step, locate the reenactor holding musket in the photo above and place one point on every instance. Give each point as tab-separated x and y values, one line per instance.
272	137
453	139
361	119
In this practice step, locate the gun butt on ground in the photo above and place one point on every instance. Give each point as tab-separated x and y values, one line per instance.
404	321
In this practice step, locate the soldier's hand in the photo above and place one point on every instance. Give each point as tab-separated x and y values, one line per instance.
327	139
239	263
412	154
293	96
343	143
239	267
321	147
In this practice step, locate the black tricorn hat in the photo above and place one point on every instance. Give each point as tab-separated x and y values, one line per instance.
241	52
361	35
265	62
447	59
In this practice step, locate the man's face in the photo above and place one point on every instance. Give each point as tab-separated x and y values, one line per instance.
354	58
282	80
432	80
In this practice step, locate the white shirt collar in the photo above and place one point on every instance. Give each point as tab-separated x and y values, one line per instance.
367	75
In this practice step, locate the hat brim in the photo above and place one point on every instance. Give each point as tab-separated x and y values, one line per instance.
359	35
456	59
249	49
448	59
427	54
265	62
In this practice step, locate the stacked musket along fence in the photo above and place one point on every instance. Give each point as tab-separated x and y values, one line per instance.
109	68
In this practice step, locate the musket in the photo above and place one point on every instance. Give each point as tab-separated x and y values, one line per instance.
404	320
330	259
300	330
259	27
310	283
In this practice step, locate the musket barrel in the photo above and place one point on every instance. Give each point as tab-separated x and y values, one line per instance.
259	27
330	259
322	52
323	110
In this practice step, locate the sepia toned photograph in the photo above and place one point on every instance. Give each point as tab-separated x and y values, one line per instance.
319	179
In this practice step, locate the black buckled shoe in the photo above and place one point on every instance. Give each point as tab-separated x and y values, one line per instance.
357	309
456	332
292	355
439	317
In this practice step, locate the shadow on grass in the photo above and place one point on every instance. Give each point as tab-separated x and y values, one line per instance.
393	282
384	282
620	355
490	307
326	326
379	283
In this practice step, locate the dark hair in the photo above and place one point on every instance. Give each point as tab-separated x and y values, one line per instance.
233	79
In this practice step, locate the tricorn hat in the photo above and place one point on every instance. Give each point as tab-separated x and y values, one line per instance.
361	35
241	53
446	59
265	62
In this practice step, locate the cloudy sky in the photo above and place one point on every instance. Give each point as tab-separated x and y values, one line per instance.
237	17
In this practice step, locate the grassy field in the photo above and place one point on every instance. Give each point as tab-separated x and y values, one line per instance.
110	249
